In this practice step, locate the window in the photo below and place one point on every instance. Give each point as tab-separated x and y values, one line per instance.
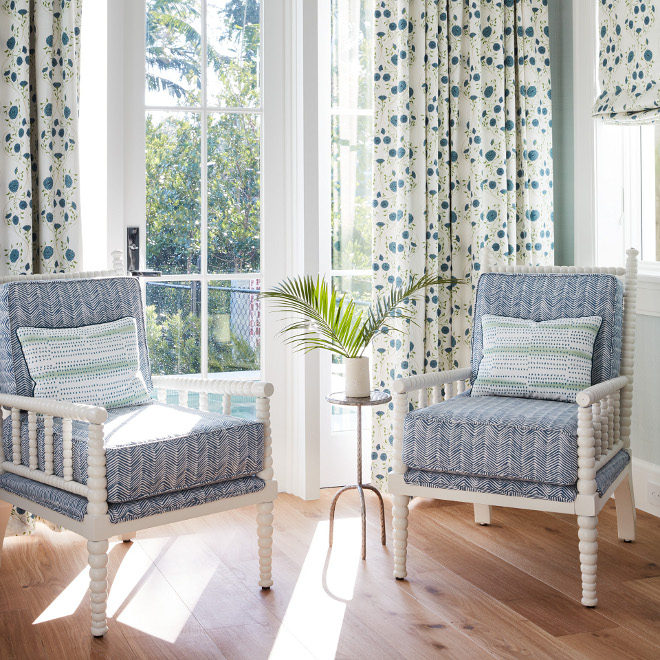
627	192
202	122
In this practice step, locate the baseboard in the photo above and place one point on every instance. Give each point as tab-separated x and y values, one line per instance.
642	472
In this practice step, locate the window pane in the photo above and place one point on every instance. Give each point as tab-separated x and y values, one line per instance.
234	204
234	51
173	192
351	191
173	327
235	328
352	58
173	52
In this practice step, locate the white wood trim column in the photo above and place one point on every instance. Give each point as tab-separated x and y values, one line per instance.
585	69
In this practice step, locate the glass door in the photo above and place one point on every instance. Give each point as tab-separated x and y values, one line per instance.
203	116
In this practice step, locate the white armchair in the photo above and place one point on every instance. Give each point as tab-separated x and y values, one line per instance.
106	472
524	452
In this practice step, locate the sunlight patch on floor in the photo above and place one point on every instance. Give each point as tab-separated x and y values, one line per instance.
150	604
316	610
134	564
69	600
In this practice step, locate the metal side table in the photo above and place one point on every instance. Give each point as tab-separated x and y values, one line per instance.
375	398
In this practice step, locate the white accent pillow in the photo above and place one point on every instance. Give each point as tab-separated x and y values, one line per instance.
94	364
538	360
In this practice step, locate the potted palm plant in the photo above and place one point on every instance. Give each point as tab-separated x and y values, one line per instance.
326	319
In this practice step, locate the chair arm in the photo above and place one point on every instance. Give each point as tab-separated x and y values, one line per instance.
412	383
255	388
78	411
591	395
95	490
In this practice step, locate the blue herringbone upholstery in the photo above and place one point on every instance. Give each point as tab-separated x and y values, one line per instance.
501	437
156	449
75	507
63	304
555	296
512	487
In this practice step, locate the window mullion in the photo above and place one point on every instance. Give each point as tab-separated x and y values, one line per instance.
204	206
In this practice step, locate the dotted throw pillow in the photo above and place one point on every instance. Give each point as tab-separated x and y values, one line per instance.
538	360
94	364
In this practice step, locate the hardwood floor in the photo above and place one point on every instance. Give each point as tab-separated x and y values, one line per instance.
189	590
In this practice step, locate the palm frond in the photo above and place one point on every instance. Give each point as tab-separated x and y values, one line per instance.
389	305
329	320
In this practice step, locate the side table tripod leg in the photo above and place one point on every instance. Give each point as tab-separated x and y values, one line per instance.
363	516
332	509
382	511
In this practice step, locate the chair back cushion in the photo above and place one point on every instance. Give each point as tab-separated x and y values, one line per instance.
97	364
548	297
68	303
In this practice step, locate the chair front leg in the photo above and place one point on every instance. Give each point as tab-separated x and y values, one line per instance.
98	586
588	534
265	535
586	486
400	534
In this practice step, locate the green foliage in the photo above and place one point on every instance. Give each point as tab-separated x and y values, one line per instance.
235	355
173	193
173	340
173	141
326	320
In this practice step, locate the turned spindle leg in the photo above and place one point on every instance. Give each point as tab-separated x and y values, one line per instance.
98	586
400	534
265	534
588	534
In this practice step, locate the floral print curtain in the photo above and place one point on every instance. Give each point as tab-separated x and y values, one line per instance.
629	33
40	229
462	168
40	42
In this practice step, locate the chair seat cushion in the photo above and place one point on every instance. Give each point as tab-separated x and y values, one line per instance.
516	487
157	448
502	437
75	506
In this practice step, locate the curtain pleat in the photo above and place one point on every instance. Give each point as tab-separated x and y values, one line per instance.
39	171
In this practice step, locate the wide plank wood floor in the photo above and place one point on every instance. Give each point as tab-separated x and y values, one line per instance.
189	590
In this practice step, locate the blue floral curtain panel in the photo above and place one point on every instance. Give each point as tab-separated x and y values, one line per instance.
463	167
40	41
629	62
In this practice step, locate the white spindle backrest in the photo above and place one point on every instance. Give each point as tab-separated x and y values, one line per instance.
48	444
619	410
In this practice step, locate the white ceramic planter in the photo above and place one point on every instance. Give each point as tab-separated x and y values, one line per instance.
357	381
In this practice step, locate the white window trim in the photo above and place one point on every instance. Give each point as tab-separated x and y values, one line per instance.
585	71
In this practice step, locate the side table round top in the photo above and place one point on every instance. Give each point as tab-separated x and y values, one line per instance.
375	398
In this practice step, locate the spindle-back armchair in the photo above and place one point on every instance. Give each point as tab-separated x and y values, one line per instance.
527	453
103	472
